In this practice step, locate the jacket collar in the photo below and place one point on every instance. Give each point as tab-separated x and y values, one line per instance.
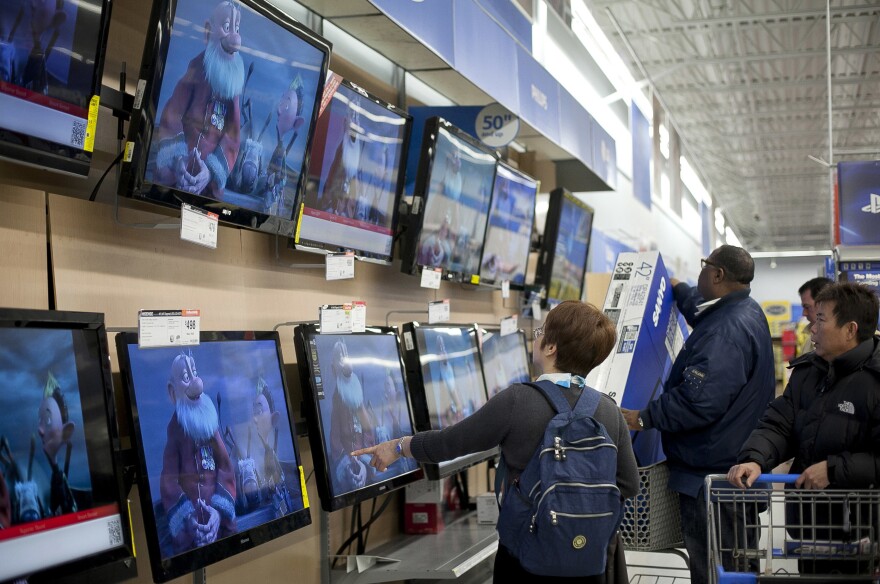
725	300
866	354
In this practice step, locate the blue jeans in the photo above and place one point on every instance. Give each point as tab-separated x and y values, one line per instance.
695	529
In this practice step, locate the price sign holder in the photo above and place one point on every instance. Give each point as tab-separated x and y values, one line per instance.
438	311
335	318
198	226
431	278
168	328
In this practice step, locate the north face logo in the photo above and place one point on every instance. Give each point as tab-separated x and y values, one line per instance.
874	207
846	407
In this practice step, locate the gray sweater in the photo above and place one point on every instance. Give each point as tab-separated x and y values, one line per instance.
516	419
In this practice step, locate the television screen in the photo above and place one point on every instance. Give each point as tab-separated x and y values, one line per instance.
355	395
62	505
356	174
446	383
562	262
51	61
509	233
506	359
450	208
229	106
219	471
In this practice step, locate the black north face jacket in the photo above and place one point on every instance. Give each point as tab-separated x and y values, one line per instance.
827	412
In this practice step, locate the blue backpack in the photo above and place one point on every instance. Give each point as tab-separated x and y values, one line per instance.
559	515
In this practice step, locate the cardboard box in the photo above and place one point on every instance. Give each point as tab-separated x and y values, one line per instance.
650	332
423	507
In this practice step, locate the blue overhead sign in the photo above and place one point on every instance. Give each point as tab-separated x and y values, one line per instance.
858	199
538	96
429	22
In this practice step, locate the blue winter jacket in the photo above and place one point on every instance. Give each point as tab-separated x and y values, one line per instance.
719	387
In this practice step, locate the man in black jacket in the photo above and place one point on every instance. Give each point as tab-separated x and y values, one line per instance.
828	418
717	390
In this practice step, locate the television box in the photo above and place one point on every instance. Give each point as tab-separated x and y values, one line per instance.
423	507
650	332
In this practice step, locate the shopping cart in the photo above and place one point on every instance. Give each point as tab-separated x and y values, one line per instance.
826	535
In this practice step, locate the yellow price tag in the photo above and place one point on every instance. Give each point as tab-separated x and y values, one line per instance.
475	279
302	484
94	103
299	222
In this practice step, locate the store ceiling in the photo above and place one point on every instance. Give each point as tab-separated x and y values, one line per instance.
745	82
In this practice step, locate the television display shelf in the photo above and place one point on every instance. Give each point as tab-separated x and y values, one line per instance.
461	546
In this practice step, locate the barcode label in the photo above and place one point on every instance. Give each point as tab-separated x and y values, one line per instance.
78	133
114	530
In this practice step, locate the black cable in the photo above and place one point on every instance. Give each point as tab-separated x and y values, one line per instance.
116	161
372	512
369	522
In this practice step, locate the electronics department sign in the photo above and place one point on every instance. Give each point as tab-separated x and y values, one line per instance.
858	201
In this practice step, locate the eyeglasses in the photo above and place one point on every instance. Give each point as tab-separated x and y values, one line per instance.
704	262
538	332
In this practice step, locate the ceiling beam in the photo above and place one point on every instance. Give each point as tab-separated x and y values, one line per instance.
772	56
770	85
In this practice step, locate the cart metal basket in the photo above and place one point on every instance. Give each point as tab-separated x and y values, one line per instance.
828	535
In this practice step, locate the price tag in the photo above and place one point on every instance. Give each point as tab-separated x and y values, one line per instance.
438	311
505	288
340	266
92	123
198	226
536	310
168	328
431	277
129	152
335	318
358	316
508	325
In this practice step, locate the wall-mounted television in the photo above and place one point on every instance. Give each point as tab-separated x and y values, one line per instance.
446	225
506	359
63	508
355	395
562	260
446	384
219	468
356	176
230	99
51	62
509	231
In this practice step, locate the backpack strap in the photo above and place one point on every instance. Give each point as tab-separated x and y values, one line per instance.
586	405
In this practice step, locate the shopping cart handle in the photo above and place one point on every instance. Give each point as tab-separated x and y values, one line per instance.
777	478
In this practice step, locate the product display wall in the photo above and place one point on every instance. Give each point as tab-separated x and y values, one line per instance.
101	263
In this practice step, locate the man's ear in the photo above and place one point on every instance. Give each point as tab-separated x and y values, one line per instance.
549	348
67	431
852	329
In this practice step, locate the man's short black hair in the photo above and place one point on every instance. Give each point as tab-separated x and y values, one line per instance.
737	263
815	286
852	302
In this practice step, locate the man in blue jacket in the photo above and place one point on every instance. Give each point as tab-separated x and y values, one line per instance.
719	386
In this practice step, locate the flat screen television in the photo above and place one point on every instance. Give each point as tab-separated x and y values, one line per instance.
354	395
506	359
230	98
562	260
446	225
219	468
63	508
356	176
51	63
446	384
509	232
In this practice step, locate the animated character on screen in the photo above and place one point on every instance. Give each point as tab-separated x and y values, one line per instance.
199	129
458	409
22	499
46	19
350	423
197	483
278	173
345	183
56	429
261	475
436	249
